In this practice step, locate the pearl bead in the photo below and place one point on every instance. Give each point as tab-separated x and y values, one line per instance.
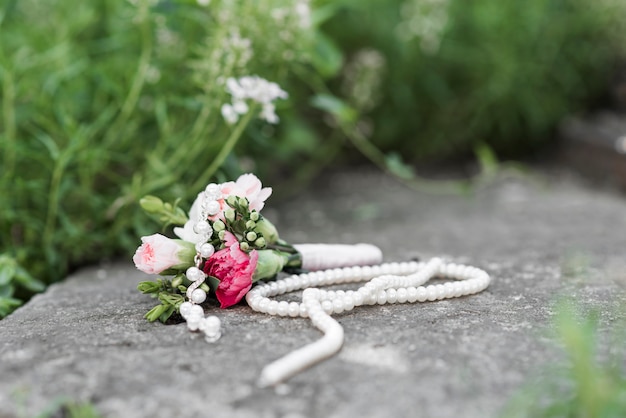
194	274
202	228
198	296
206	250
412	294
403	295
304	282
272	309
274	288
263	304
440	291
213	207
289	284
338	305
381	297
193	322
327	306
392	296
196	310
283	308
185	309
294	309
348	303
431	293
358	298
212	190
282	287
422	295
210	324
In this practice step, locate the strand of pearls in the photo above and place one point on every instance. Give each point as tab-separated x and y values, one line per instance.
191	310
386	283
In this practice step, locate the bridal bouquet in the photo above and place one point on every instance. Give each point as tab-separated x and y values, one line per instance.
224	246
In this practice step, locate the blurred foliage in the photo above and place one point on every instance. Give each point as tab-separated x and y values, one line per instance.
106	101
457	73
588	383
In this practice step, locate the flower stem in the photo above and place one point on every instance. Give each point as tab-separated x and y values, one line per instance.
224	151
140	75
8	115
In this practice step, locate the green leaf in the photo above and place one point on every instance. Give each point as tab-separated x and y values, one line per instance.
213	282
8	305
335	106
149	287
8	267
171	298
167	313
327	56
6	291
398	167
155	313
25	280
487	158
323	13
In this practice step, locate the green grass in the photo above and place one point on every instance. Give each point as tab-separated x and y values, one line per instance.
589	382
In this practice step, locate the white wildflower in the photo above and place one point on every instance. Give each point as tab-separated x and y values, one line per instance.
240	107
425	20
229	114
303	11
256	89
153	74
269	113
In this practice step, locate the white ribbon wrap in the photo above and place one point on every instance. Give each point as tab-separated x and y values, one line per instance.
329	256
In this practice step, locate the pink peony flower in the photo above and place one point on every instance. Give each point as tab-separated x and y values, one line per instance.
158	253
234	269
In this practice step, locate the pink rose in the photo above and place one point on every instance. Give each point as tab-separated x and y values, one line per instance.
234	269
158	253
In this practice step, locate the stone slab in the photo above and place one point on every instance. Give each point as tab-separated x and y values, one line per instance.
540	237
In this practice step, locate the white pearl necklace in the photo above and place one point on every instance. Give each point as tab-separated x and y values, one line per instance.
387	283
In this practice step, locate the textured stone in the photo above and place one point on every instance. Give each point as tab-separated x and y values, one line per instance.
540	238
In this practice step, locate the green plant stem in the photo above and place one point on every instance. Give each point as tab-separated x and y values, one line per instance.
322	157
201	120
53	202
225	150
8	116
374	154
139	79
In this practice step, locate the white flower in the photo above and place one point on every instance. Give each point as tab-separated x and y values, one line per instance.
304	14
269	113
229	113
240	107
186	233
256	89
235	90
204	3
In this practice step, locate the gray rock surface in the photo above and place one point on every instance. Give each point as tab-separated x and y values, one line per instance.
539	238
